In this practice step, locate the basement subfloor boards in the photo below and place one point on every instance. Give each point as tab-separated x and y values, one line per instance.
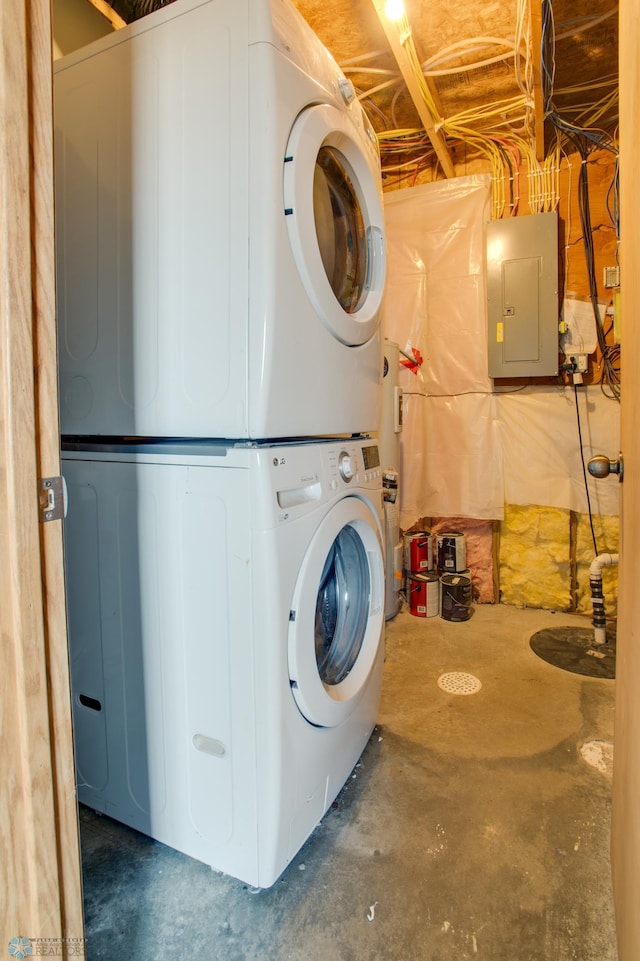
476	825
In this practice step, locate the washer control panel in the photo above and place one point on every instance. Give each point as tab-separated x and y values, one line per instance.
301	476
358	463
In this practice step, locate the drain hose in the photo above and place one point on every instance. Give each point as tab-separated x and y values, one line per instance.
599	620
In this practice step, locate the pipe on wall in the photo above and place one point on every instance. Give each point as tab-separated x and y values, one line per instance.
597	597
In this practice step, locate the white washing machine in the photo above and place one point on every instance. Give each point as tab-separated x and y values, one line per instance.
220	239
226	614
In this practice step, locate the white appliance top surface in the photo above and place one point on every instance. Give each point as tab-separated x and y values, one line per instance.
194	447
289	479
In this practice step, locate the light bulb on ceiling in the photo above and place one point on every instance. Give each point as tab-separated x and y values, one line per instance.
394	9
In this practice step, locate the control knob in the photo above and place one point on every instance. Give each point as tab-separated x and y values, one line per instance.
346	466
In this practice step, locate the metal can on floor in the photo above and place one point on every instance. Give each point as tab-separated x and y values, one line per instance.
424	594
418	552
455	596
451	551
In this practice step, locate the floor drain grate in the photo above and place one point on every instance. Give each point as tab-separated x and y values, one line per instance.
456	682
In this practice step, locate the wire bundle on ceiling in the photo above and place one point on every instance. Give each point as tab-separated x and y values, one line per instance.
585	131
502	131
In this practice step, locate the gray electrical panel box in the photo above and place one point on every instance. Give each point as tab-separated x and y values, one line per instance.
522	295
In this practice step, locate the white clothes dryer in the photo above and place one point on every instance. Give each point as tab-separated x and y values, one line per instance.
226	616
220	237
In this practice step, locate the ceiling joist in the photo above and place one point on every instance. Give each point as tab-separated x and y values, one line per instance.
415	88
109	13
535	18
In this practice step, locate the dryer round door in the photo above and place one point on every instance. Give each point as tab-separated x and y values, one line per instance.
335	221
337	614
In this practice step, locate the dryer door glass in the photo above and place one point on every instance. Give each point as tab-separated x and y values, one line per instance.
340	228
333	212
342	608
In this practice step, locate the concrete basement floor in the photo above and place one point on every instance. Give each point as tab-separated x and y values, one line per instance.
474	826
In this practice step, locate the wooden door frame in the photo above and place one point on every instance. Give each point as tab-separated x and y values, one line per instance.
42	895
41	890
626	766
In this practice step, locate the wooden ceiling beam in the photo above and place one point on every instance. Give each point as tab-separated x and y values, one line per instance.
535	19
107	11
413	85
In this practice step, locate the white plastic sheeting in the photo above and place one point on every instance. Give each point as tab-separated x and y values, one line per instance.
464	458
465	450
541	445
435	302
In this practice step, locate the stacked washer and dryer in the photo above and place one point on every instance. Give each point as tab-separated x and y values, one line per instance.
221	265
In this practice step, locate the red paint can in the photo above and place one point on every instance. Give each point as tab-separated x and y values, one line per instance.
424	594
418	552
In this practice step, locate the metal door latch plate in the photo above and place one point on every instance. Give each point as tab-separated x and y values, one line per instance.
50	499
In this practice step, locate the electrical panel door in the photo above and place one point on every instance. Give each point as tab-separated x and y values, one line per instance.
522	296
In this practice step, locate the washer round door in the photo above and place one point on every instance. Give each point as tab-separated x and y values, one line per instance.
335	221
337	614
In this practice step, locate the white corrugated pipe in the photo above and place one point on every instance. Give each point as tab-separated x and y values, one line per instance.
599	620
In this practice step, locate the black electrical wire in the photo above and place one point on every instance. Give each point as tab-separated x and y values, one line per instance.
584	141
584	471
597	138
610	378
613	200
587	239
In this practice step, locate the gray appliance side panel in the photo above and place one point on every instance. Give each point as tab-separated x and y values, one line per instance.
159	589
151	142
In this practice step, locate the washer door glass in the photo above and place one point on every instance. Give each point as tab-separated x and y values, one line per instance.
342	608
337	614
335	221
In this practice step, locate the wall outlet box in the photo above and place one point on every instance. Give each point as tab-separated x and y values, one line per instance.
611	276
